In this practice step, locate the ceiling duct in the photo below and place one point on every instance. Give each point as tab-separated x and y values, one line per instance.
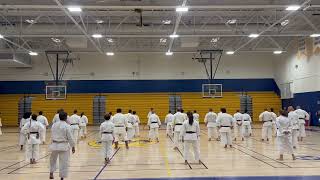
15	60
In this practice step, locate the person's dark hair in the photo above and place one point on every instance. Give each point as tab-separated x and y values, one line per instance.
34	117
151	109
179	109
60	110
265	109
26	115
169	111
110	113
134	112
223	110
283	113
238	110
195	111
63	116
182	110
130	111
210	109
246	111
190	117
75	111
81	114
107	117
271	109
40	112
119	110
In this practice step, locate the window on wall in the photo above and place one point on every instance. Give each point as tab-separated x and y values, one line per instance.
286	90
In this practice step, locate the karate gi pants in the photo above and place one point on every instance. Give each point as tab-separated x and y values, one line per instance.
63	162
106	149
196	149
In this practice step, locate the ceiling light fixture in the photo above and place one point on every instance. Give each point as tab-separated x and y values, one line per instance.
285	22
110	53
293	8
110	40
169	53
315	35
163	40
214	40
230	52
231	21
74	9
174	36
277	52
182	9
56	40
96	35
30	21
254	35
33	53
99	21
167	21
1	36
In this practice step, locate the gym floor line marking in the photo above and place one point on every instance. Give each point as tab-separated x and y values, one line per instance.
264	155
11	172
106	164
180	153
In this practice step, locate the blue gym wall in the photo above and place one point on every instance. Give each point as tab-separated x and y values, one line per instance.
139	86
307	101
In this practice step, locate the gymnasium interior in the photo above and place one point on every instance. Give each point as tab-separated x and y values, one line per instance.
100	55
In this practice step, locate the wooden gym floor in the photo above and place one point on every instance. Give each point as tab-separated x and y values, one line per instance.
251	159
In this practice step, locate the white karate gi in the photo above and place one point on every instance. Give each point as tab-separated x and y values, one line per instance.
190	135
238	117
294	118
274	117
62	140
303	116
83	126
284	128
178	119
136	126
196	117
130	129
55	118
211	120
169	120
267	119
74	121
22	136
33	130
246	125
44	121
106	134
120	123
154	124
225	122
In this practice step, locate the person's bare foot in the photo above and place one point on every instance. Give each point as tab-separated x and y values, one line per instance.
225	146
230	146
185	162
293	157
51	176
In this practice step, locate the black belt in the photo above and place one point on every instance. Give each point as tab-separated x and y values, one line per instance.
268	121
154	122
74	124
119	126
302	118
107	132
178	124
190	132
245	120
34	132
225	126
239	120
59	141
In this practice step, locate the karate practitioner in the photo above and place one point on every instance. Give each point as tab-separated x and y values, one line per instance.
150	112
274	117
120	125
22	137
44	121
83	125
169	120
74	121
211	122
62	140
56	116
225	122
196	116
190	133
136	124
284	129
294	119
33	131
130	120
107	138
178	119
246	129
266	118
303	117
154	124
238	117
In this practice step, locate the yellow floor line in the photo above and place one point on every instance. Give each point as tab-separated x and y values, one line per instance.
166	160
